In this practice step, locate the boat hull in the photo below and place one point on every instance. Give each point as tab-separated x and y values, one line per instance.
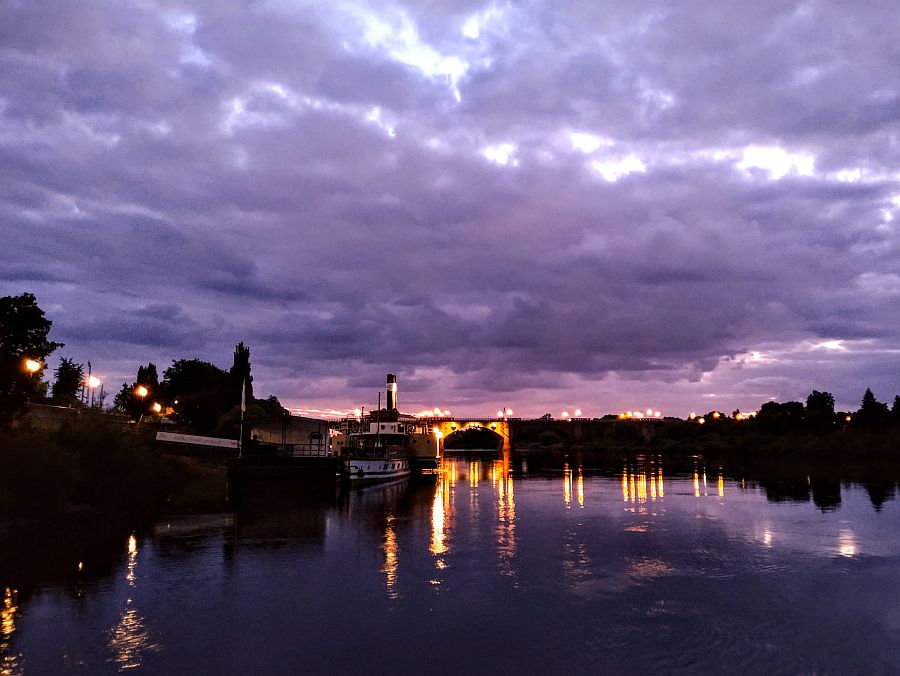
376	469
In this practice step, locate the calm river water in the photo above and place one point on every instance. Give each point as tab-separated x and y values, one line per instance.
489	571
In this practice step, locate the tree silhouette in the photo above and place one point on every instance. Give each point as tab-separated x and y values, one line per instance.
69	379
202	390
240	373
23	335
820	412
872	413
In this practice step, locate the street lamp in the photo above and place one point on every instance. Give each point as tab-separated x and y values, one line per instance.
32	366
93	382
141	391
157	407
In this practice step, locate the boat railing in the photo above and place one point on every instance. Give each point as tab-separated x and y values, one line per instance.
307	450
377	453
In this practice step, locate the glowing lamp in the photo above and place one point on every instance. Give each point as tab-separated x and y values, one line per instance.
93	382
157	407
141	391
32	366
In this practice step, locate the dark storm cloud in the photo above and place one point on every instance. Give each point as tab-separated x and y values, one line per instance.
494	200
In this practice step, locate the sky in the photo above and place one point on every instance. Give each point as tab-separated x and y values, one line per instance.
541	205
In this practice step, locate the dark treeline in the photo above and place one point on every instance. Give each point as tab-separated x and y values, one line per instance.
95	464
195	393
811	429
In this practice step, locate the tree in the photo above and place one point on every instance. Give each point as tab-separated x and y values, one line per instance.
820	412
240	373
148	377
23	336
202	390
872	413
779	418
820	401
271	406
126	402
69	379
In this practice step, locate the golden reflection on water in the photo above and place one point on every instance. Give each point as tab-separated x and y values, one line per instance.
441	513
642	484
10	664
696	484
721	485
438	545
506	518
567	484
131	638
390	559
580	488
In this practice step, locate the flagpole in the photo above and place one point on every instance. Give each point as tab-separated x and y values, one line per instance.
243	407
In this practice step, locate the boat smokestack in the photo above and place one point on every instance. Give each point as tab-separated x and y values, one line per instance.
391	402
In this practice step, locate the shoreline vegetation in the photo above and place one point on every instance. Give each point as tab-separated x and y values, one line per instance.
94	467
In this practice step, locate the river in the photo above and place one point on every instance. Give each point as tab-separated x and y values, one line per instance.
494	569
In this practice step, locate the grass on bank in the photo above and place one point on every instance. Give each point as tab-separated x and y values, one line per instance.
94	466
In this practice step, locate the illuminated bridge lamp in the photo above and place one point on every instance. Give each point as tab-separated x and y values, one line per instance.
32	366
577	412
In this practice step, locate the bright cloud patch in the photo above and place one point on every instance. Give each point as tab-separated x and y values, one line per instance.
614	169
502	153
398	37
776	161
588	143
477	23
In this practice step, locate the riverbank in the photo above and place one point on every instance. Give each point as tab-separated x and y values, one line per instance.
91	467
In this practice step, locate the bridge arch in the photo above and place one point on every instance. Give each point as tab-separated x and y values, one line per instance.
451	426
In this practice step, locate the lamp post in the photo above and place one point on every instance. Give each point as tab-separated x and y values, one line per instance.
32	366
142	392
93	382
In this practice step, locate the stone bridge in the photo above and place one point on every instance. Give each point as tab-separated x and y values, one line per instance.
449	426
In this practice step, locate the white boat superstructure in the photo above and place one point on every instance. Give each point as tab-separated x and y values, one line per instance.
380	453
377	469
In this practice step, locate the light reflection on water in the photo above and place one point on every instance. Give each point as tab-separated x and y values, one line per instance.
10	662
664	572
130	639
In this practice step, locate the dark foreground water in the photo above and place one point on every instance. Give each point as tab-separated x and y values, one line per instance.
494	572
